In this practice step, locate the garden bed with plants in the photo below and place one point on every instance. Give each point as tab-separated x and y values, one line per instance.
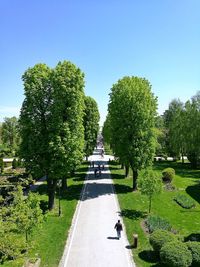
182	223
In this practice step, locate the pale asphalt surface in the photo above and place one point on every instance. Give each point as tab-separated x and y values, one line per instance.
92	239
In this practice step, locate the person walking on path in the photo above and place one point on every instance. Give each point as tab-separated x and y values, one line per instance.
118	227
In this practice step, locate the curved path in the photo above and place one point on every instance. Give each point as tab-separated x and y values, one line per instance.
92	239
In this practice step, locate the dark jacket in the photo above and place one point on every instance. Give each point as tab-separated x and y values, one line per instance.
118	226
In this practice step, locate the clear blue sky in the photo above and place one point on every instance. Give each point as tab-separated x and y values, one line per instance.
107	39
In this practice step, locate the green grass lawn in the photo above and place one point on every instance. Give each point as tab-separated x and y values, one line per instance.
134	207
49	240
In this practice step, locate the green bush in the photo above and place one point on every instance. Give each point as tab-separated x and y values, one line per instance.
160	237
11	246
168	174
154	222
175	254
184	201
194	247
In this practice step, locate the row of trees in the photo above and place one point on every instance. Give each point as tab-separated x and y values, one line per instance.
129	126
58	123
179	130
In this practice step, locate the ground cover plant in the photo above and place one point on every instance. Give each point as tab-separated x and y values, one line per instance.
48	242
184	201
134	207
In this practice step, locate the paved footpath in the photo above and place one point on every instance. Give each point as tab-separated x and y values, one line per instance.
92	239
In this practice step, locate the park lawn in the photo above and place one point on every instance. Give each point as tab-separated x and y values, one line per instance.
134	207
49	240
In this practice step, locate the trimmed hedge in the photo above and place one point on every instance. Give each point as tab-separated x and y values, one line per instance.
184	201
159	238
168	174
194	247
154	222
175	254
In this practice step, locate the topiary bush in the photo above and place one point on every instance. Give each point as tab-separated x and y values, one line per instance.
154	222
168	175
160	237
175	254
184	201
194	247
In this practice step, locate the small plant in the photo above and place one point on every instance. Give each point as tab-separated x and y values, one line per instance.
184	201
159	237
175	254
154	222
168	175
194	247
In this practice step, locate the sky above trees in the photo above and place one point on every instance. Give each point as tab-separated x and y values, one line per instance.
158	40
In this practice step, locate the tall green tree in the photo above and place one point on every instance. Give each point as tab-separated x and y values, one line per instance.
10	133
91	124
175	124
35	120
132	110
192	130
67	131
51	122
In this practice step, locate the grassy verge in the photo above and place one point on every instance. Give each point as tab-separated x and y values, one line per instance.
134	207
49	240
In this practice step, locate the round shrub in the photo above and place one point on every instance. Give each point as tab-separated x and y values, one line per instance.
175	254
168	174
159	237
194	247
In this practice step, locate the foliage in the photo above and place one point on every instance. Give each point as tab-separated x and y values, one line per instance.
10	133
51	122
159	238
168	174
155	222
22	215
132	110
150	184
11	246
91	124
194	247
175	254
184	201
174	122
192	129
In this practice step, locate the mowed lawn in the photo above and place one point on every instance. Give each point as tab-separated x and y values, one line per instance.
134	207
49	240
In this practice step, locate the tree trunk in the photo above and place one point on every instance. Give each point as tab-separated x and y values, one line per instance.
51	184
135	176
126	170
122	166
182	156
149	204
64	184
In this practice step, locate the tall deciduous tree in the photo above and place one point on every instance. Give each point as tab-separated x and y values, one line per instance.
91	124
51	122
10	133
132	110
175	124
67	131
192	130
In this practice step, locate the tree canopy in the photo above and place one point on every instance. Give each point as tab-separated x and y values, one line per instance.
91	124
132	111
